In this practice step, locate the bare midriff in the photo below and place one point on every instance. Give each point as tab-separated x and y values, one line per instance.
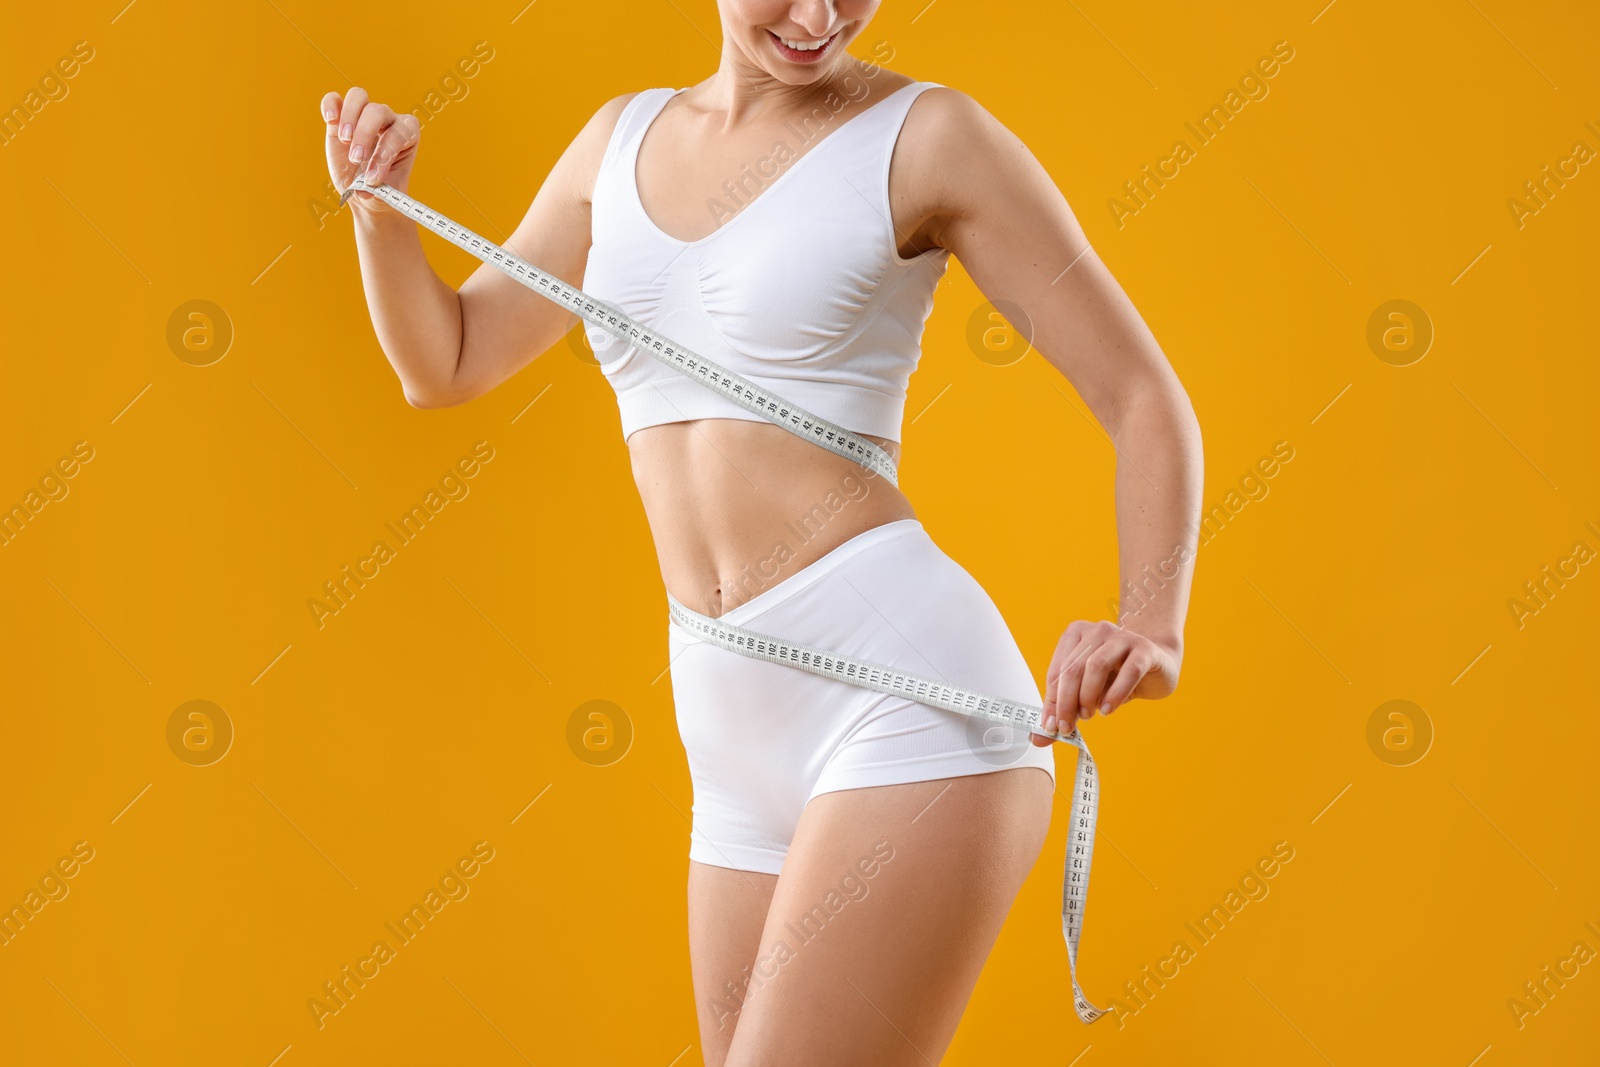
737	507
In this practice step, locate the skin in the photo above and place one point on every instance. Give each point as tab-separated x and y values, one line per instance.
717	493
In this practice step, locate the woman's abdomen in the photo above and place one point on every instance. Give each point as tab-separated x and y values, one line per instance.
737	507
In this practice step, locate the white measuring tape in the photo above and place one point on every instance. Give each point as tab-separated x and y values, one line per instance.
876	676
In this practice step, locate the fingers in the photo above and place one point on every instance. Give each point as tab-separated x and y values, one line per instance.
1061	713
1070	683
376	137
401	136
375	118
1064	693
1050	719
1098	669
1139	662
350	111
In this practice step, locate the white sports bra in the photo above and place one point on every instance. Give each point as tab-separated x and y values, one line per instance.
803	290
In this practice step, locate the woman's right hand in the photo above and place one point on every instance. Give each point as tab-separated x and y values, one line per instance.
370	140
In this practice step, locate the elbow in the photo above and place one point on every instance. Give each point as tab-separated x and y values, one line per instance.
1158	404
1172	400
419	400
430	399
444	395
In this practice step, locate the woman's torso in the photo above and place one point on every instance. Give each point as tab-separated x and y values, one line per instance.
736	506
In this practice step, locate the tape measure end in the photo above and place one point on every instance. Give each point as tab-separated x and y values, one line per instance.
356	185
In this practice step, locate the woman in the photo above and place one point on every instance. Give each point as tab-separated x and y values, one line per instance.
853	854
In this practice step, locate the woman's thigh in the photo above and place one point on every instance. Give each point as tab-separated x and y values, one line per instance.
890	901
727	909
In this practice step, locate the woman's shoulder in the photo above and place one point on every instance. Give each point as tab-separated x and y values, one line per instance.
940	106
946	125
607	114
605	118
597	134
589	148
944	155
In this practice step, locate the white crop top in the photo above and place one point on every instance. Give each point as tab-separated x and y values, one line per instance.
803	290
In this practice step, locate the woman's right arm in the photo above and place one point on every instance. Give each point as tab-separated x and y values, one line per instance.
448	347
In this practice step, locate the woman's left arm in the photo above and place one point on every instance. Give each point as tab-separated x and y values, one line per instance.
991	203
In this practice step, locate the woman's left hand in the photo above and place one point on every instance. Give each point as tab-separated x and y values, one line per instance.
1100	666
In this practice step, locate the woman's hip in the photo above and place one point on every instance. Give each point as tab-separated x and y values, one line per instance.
889	596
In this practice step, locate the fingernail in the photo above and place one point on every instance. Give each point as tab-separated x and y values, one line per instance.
328	114
346	130
357	152
1105	709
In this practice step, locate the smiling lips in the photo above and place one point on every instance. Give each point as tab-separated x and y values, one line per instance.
798	51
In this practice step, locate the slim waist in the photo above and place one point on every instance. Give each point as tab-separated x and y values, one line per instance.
821	567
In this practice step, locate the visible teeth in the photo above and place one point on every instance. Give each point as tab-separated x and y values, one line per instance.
800	46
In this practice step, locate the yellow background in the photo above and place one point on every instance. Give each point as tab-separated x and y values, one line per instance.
372	754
